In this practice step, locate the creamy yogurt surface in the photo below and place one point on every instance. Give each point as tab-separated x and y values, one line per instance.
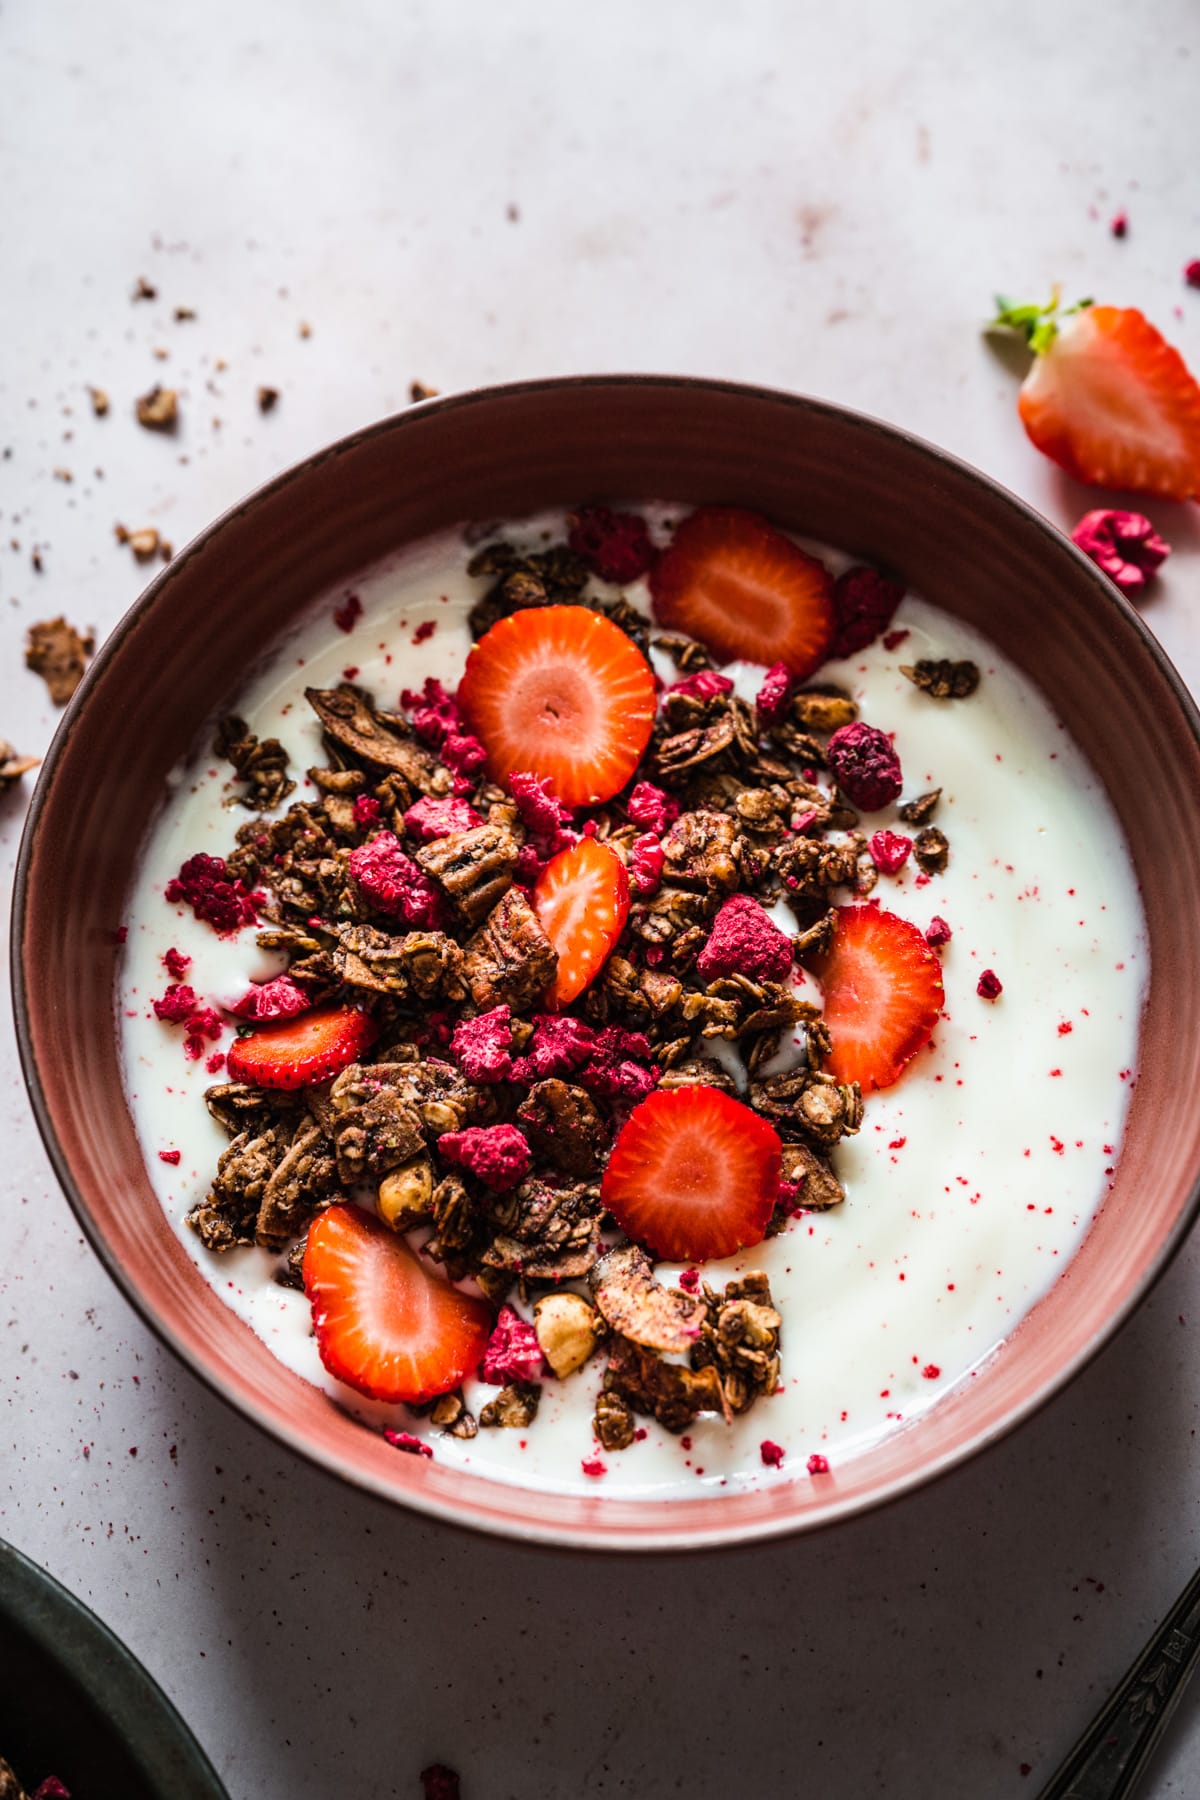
973	1179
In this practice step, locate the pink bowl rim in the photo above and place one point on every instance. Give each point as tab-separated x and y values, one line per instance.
533	1533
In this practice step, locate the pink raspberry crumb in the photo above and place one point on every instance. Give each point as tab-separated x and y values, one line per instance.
772	1454
1191	272
394	885
864	604
938	933
931	1372
433	818
611	1070
560	1044
541	812
990	986
170	1156
366	810
1118	225
892	640
278	999
818	1464
705	684
404	1440
646	861
889	851
176	963
215	1063
689	1281
651	808
51	1789
614	545
498	1154
865	765
1124	545
595	1467
744	941
482	1046
204	884
424	631
435	712
513	1352
178	1001
202	1024
347	615
771	701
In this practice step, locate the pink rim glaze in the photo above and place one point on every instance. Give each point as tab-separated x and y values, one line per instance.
963	542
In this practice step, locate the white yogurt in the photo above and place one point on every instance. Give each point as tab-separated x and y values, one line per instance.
972	1181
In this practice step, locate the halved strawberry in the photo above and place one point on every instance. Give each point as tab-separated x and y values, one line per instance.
384	1324
693	1174
582	900
882	995
1109	400
746	591
305	1050
560	692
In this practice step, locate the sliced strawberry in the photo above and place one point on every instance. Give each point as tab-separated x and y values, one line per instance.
305	1050
1109	400
882	987
582	900
693	1174
746	591
560	692
384	1324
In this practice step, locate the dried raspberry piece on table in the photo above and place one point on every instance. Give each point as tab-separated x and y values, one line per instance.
889	851
773	696
866	766
498	1154
277	999
482	1046
433	818
1124	545
990	986
864	605
393	884
616	546
204	884
404	1440
744	941
513	1352
651	808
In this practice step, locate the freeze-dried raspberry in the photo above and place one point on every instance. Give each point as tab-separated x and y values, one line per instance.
513	1352
865	765
864	604
772	1454
404	1440
215	1063
1119	225
1191	272
611	1070
50	1789
889	851
689	1281
175	1005
892	640
646	860
1124	544
938	933
202	1024
483	1046
176	963
278	999
439	1783
705	684
530	864
432	818
990	986
744	941
203	883
498	1154
465	755
593	1466
366	810
614	545
435	712
651	808
777	688
560	1044
170	1156
347	615
818	1464
394	885
542	815
424	631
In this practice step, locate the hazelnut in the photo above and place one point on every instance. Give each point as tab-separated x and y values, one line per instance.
406	1194
565	1324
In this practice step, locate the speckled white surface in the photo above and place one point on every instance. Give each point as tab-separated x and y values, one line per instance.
821	199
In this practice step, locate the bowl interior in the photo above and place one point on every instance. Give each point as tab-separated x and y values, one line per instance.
960	541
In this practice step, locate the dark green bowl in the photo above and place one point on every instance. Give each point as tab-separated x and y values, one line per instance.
74	1702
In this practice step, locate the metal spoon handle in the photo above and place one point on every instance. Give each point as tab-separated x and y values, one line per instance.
1110	1758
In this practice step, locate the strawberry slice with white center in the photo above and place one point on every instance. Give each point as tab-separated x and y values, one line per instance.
582	900
305	1050
693	1174
384	1324
745	590
560	692
1109	400
882	995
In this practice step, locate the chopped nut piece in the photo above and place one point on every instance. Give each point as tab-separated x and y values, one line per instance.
932	850
159	409
143	542
823	709
58	654
99	401
943	679
566	1327
510	958
474	868
636	1306
563	1126
406	1194
13	766
819	1186
922	809
514	1406
267	399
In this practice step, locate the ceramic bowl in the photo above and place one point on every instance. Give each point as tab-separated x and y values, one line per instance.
958	539
75	1703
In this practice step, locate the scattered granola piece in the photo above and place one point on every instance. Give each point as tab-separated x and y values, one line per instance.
305	329
922	809
932	850
144	290
13	765
990	986
58	653
943	679
567	1330
144	542
636	1306
158	410
613	1421
405	1196
61	474
740	1340
260	764
183	313
513	1408
514	1351
268	398
404	1440
1124	545
99	401
418	391
866	766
